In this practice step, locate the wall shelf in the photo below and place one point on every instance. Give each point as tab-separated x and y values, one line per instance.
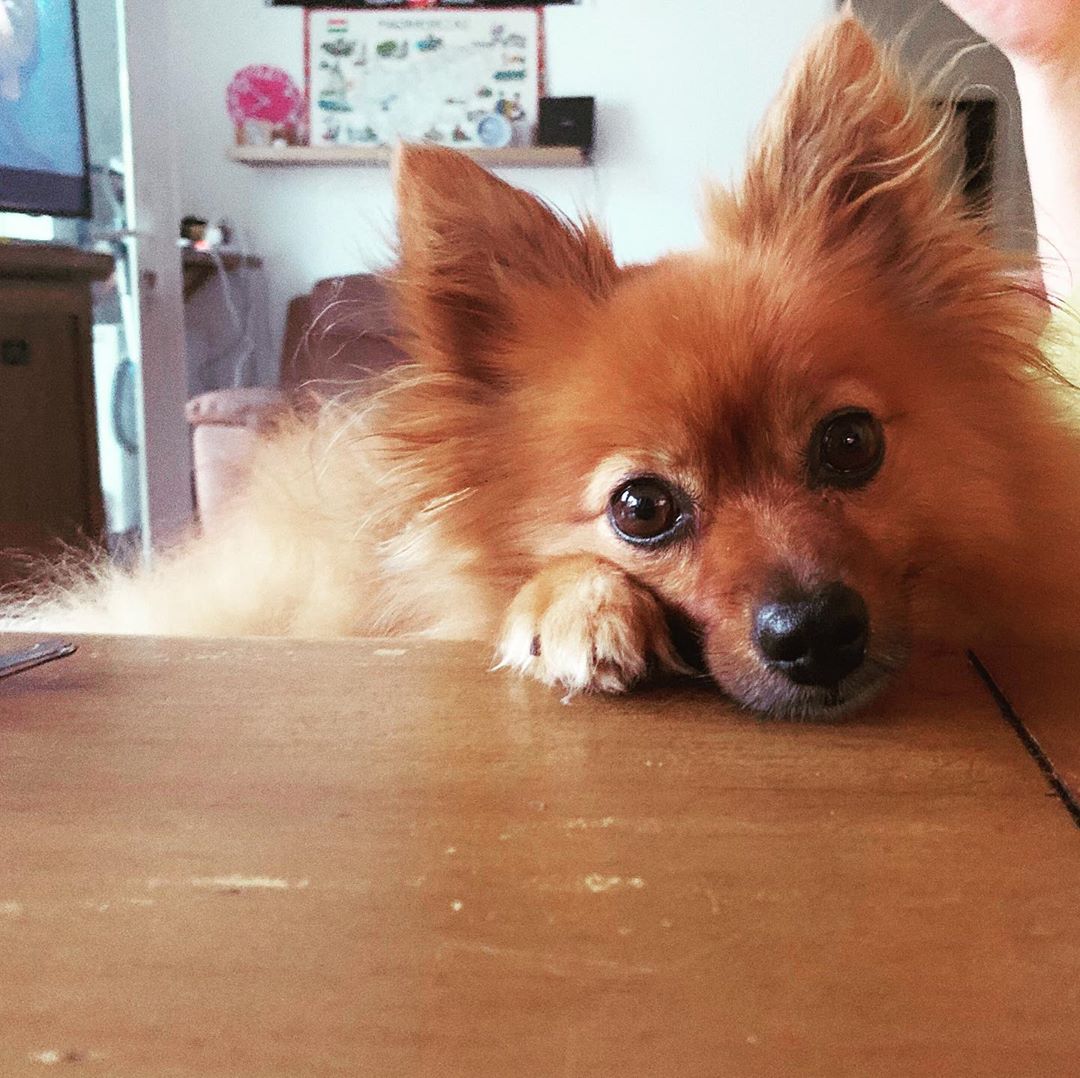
368	156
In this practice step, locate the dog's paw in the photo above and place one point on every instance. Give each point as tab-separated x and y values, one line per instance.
585	625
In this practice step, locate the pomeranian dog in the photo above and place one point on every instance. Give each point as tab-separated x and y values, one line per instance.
826	438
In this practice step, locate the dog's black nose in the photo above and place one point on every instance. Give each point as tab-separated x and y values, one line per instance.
816	638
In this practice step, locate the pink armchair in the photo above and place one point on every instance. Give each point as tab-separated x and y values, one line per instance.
342	332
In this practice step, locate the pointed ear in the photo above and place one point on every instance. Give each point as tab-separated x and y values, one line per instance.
846	152
477	254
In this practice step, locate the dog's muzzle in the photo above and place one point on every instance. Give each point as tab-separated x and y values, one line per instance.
813	638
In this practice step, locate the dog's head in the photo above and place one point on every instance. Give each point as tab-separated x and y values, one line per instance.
802	438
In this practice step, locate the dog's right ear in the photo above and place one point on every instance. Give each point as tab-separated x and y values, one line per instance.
477	255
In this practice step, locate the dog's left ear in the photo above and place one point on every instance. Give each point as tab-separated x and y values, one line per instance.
478	256
847	158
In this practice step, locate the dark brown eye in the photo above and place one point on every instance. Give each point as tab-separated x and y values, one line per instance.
645	510
847	449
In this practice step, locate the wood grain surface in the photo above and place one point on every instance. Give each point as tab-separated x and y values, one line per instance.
1044	695
374	858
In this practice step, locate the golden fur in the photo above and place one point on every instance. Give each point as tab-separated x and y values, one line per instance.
471	491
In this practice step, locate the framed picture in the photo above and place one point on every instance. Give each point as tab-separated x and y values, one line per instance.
459	78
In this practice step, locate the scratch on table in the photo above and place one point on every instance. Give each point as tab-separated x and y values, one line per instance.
713	899
237	882
582	824
233	883
11	909
597	883
51	1056
103	906
390	653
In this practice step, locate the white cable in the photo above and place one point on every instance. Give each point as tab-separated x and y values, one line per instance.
244	345
245	367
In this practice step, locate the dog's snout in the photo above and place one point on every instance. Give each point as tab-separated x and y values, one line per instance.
815	638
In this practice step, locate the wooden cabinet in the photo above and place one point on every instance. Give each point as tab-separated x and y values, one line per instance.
50	488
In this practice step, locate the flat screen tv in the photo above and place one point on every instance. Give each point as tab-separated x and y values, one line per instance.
43	156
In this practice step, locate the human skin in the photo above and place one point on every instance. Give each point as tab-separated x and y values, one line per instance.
1041	38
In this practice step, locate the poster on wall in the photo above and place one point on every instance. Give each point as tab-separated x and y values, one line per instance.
464	79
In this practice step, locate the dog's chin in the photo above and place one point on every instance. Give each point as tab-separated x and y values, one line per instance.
775	696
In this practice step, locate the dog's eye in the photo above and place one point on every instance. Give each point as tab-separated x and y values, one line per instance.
645	510
847	449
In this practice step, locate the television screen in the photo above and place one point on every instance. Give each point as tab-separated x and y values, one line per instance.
43	161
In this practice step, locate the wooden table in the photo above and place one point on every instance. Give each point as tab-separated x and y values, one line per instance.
374	858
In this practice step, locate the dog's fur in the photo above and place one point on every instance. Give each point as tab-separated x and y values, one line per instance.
468	497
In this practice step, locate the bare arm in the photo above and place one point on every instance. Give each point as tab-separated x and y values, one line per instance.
1042	40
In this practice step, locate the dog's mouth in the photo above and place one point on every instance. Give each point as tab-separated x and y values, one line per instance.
777	697
758	684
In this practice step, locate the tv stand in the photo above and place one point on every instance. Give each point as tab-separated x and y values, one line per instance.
51	493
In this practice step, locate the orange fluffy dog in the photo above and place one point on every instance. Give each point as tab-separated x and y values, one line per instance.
825	438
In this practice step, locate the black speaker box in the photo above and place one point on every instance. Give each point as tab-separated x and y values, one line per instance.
566	121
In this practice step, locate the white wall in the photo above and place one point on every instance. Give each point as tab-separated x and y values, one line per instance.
680	84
